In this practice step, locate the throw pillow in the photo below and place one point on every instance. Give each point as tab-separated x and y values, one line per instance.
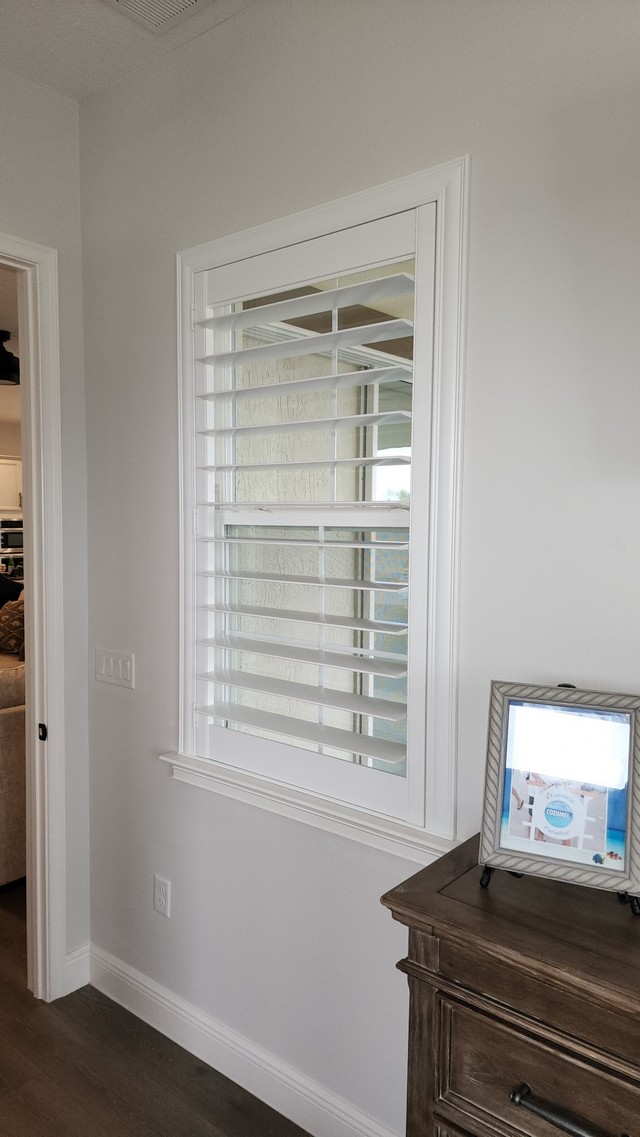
12	626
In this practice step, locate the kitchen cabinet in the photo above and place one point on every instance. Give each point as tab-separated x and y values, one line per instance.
10	484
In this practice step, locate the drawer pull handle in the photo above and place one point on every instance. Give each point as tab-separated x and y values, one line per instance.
563	1120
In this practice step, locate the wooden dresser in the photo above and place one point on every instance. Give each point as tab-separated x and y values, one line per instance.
524	1005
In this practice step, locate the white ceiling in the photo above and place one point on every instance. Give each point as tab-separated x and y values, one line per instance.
80	46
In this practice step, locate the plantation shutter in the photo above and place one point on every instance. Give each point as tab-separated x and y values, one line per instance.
301	483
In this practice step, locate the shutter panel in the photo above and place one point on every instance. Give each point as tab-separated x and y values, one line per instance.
304	408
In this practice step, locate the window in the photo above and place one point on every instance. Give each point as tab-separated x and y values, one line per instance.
319	451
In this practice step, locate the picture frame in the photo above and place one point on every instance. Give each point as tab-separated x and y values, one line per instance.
578	819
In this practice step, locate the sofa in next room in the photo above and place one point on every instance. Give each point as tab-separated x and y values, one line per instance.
12	733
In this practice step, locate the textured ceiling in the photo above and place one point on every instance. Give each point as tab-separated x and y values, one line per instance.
80	46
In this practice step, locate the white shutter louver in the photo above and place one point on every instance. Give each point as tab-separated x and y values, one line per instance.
303	454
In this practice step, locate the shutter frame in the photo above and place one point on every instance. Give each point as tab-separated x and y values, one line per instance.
442	291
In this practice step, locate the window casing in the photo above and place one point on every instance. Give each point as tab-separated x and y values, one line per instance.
311	501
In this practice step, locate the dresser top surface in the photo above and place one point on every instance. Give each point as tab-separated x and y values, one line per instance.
549	925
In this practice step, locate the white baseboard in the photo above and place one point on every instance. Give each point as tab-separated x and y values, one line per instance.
299	1098
78	969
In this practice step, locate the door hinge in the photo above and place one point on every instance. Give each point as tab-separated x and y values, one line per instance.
42	732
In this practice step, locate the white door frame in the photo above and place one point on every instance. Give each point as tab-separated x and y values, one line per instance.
44	626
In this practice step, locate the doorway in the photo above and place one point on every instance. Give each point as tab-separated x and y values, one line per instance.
12	655
34	270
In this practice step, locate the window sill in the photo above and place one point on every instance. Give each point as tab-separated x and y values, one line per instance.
400	839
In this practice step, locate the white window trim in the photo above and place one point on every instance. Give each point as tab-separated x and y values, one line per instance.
447	186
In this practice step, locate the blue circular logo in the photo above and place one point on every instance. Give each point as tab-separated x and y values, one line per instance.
558	814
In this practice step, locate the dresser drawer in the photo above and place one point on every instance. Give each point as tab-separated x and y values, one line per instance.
603	1027
482	1061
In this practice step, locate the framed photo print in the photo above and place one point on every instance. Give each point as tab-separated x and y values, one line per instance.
563	768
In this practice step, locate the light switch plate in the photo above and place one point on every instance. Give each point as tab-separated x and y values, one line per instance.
115	667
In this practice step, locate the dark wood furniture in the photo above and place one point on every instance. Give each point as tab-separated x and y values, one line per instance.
524	1005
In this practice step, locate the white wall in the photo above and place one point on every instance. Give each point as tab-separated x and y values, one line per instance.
276	931
39	192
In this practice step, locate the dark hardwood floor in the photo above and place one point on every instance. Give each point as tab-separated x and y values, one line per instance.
84	1067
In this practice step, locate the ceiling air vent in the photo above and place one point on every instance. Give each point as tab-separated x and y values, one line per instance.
159	15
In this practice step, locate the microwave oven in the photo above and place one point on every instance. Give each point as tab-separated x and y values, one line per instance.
11	535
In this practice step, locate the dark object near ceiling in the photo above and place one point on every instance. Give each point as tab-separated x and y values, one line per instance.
9	363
